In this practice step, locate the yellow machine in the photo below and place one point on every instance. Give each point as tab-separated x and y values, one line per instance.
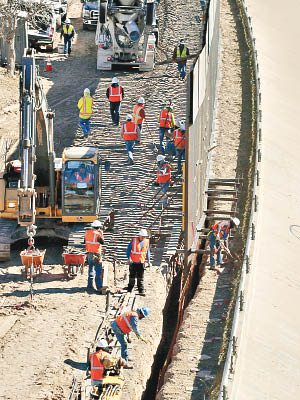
40	194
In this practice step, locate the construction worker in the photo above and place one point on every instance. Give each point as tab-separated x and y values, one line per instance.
101	360
124	324
180	56
163	177
93	245
179	141
166	123
85	105
131	134
68	32
220	231
82	175
139	113
115	94
138	251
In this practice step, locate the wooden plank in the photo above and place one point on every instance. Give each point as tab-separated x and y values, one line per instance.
218	198
218	212
221	191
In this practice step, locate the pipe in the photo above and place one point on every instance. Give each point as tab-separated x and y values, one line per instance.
50	117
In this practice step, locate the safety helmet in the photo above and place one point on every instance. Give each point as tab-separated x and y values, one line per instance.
87	90
236	221
67	21
115	80
182	126
129	117
181	41
143	232
102	343
144	311
141	100
177	121
170	108
160	157
96	224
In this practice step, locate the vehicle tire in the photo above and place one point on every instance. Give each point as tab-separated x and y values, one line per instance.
103	11
150	14
49	47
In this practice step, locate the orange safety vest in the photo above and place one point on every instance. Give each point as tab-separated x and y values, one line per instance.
163	177
130	131
223	231
91	243
115	94
165	119
86	108
179	138
123	321
97	367
136	114
138	254
79	178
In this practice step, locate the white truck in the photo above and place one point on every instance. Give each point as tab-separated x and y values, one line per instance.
127	34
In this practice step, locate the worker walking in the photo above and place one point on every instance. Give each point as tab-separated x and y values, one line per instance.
163	177
220	231
100	361
68	32
180	56
124	324
115	94
139	113
179	141
85	105
93	245
166	123
138	251
131	134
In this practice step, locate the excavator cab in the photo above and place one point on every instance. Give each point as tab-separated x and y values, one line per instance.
81	184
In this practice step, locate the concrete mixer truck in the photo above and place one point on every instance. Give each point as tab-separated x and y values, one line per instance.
127	34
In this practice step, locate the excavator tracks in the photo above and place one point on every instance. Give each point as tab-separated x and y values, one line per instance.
7	227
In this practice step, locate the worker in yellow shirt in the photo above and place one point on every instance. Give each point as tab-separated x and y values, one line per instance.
85	105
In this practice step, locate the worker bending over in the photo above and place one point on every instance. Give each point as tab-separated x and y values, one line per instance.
115	95
220	232
93	245
139	113
179	141
138	251
166	123
124	324
131	134
100	361
85	105
68	32
180	56
163	177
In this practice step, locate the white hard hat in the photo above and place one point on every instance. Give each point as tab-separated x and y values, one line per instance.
96	223
235	220
177	121
115	80
143	232
129	117
102	343
160	157
67	21
141	100
87	90
182	126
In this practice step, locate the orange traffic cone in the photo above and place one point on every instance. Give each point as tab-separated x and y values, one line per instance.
49	65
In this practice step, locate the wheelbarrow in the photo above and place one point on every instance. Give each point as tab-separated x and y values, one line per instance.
32	259
73	263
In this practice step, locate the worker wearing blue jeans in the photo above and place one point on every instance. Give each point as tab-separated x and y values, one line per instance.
85	126
93	245
95	266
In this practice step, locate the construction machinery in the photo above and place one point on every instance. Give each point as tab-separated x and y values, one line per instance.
40	194
127	34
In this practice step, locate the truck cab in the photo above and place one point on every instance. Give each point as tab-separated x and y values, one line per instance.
90	12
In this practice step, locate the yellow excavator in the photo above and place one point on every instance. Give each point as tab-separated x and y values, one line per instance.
41	195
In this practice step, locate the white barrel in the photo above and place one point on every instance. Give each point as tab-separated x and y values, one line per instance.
133	31
60	48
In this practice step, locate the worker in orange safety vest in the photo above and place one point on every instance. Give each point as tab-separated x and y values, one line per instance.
138	252
179	141
166	124
115	95
83	175
220	231
139	113
163	177
124	324
93	245
131	134
85	105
